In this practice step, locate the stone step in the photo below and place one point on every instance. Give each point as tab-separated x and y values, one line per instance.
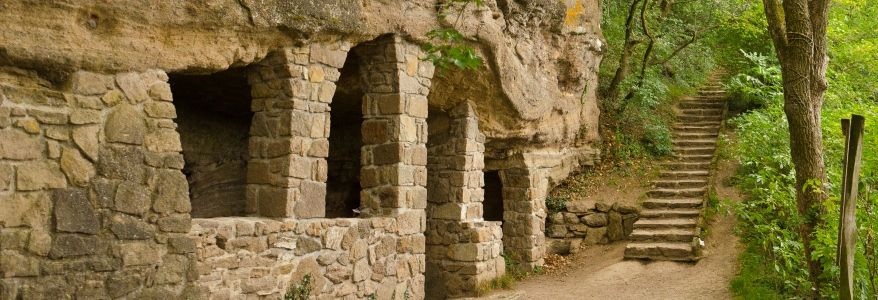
670	213
699	123
683	174
694	150
680	183
662	235
678	251
701	104
669	203
695	135
694	142
702	111
684	222
693	128
677	193
685	165
693	157
691	118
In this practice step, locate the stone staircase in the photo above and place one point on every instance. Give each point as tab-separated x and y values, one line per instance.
669	224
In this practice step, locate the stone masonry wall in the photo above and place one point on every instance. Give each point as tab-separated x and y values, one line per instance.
463	250
92	200
589	223
380	255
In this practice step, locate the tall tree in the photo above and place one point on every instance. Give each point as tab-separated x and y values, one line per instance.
798	31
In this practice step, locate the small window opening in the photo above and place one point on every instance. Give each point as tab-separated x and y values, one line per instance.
213	119
493	203
345	143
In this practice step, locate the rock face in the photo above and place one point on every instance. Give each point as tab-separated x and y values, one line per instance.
122	178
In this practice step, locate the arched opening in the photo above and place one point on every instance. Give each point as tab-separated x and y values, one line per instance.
345	142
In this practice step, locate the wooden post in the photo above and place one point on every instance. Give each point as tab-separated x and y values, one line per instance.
848	220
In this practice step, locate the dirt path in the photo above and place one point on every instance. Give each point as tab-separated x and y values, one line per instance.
599	272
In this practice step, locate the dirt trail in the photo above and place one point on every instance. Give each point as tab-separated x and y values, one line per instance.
599	272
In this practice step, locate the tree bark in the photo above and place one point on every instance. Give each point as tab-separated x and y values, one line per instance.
625	57
798	31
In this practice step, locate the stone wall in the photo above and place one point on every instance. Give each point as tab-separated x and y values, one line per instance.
589	223
344	258
93	202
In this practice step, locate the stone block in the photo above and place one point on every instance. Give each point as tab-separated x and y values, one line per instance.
73	212
48	117
133	86
627	208
171	192
557	231
615	231
126	227
138	254
124	163
160	91
163	110
132	198
181	245
40	175
28	125
165	140
70	245
59	133
172	269
595	219
375	132
113	97
122	283
16	145
85	116
25	209
312	204
276	202
180	223
331	55
6	176
87	83
125	124
580	206
86	138
39	243
13	264
78	170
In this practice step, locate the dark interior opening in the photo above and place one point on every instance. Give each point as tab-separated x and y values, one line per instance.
345	142
213	119
493	204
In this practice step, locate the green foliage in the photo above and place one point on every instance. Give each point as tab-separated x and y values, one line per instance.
447	47
556	204
769	219
301	290
637	125
757	86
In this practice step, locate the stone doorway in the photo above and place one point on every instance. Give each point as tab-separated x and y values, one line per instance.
213	118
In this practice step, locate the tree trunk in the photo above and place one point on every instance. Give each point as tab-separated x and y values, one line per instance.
798	30
625	58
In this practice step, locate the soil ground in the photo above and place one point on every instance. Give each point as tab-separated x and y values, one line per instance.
599	272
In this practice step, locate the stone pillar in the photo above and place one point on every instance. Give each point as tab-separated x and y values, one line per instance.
463	251
291	91
394	154
524	213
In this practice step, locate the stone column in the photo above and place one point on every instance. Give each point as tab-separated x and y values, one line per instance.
394	154
291	90
524	213
463	251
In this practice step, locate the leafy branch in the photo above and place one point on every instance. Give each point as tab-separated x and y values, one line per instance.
447	47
